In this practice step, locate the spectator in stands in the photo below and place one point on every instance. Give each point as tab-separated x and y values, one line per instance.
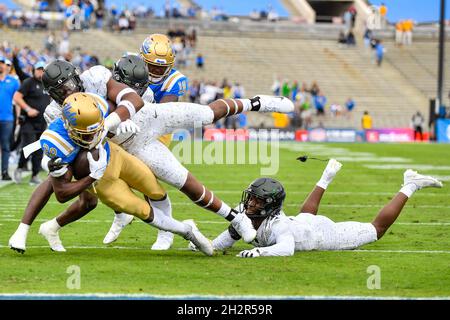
314	89
408	26
99	16
254	15
50	43
32	101
123	23
336	110
399	33
276	86
8	86
383	12
417	122
272	16
351	38
342	40
199	61
366	121
368	35
238	91
87	9
294	90
379	52
285	89
349	106
306	113
347	20
320	101
64	45
194	90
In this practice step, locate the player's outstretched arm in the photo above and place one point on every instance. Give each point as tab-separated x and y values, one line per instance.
284	247
311	204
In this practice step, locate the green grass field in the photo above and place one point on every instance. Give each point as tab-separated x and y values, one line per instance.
413	257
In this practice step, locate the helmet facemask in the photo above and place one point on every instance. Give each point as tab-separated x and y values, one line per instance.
158	72
61	92
86	139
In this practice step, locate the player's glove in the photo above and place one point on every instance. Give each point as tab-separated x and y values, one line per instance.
98	167
328	174
253	253
56	167
127	126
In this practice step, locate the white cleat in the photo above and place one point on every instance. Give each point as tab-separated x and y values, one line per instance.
18	241
164	241
198	239
272	104
243	225
121	220
421	181
52	237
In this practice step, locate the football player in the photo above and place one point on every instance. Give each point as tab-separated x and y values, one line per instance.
111	176
60	79
281	235
165	84
170	116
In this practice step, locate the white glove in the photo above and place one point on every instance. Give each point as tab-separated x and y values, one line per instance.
328	174
127	126
253	253
98	167
56	167
192	246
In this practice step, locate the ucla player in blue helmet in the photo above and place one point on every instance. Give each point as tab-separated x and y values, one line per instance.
167	83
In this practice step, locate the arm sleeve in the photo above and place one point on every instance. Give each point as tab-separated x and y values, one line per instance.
22	75
223	241
285	243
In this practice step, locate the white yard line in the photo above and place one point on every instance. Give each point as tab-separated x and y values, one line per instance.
197	296
186	249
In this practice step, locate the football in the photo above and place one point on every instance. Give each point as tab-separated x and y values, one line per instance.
80	166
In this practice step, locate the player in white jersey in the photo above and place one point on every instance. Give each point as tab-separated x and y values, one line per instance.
169	117
281	235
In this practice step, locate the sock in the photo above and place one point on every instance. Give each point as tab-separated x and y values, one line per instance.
54	224
163	222
226	212
247	104
23	228
164	205
408	189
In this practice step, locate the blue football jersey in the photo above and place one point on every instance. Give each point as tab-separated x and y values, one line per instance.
175	84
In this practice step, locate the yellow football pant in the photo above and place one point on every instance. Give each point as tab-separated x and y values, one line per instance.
124	172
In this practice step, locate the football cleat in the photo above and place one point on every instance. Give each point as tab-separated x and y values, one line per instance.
121	220
18	241
421	181
198	239
52	236
263	103
163	241
243	225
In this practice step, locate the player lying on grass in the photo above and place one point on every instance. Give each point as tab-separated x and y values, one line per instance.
281	235
169	117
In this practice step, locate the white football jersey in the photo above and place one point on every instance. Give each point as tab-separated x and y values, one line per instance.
95	79
148	96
